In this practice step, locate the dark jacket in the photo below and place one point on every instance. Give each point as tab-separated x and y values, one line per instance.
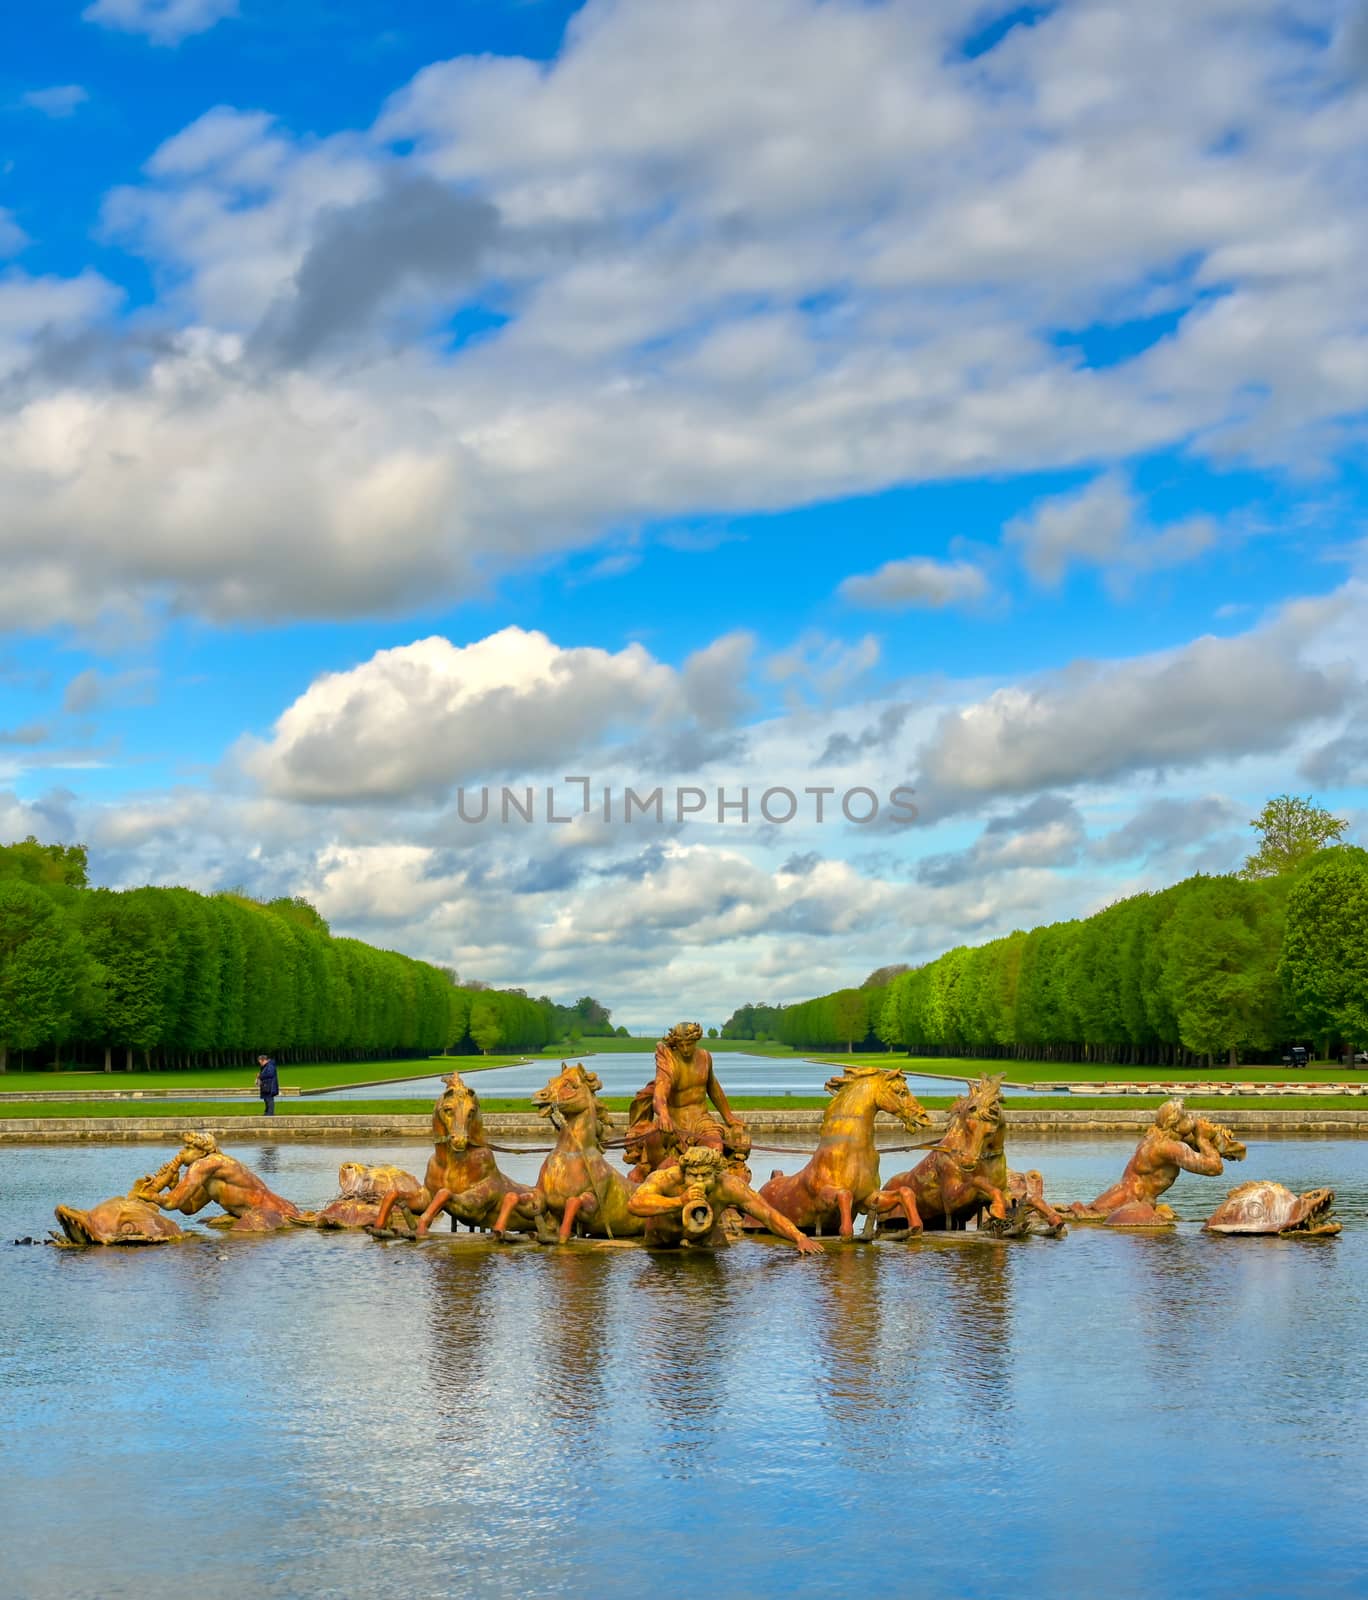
268	1084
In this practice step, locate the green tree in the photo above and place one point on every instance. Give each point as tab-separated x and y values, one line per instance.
1220	967
41	966
712	1032
485	1027
850	1016
49	866
1290	830
1324	958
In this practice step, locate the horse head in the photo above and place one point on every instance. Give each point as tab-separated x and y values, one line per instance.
976	1118
887	1086
571	1093
459	1112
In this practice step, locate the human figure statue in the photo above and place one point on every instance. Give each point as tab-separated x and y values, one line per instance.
1177	1142
684	1203
212	1178
684	1084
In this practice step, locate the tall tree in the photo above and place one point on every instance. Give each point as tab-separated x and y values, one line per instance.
41	966
1290	831
1324	959
485	1027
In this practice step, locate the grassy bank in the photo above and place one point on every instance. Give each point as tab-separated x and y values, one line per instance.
189	1113
323	1075
1027	1072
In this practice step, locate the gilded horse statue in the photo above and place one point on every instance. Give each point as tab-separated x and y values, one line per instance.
463	1178
964	1178
576	1184
844	1171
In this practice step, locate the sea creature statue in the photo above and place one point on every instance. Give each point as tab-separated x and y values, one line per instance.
463	1178
832	1189
1269	1208
683	1204
212	1178
576	1183
1177	1141
123	1220
964	1178
361	1192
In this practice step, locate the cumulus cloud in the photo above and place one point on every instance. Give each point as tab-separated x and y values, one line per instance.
1101	526
161	21
415	231
1047	832
1162	826
417	720
917	581
852	259
1177	709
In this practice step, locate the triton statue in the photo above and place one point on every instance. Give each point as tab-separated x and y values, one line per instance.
212	1178
1177	1141
683	1204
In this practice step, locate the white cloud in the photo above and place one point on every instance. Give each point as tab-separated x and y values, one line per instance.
1179	709
841	259
59	101
12	236
162	21
917	581
1101	526
421	718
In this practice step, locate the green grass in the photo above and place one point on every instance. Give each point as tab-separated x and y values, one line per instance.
1025	1072
324	1075
194	1113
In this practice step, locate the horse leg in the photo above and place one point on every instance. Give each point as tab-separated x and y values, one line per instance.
841	1199
507	1207
389	1204
572	1209
436	1204
908	1201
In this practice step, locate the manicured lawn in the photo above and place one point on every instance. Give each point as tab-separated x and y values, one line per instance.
326	1075
1089	1072
191	1113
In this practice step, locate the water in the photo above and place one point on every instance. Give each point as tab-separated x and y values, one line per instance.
326	1416
625	1073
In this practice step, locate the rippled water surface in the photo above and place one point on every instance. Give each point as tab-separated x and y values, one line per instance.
324	1415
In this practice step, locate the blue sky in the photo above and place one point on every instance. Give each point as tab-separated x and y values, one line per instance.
971	400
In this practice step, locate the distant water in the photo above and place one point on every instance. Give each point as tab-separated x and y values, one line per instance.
326	1416
625	1073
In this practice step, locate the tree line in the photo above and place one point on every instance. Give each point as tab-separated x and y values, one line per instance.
1233	966
169	978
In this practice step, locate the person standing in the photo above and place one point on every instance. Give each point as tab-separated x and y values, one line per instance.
268	1083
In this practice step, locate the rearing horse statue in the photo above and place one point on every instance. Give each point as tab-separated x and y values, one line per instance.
463	1178
576	1183
965	1176
844	1170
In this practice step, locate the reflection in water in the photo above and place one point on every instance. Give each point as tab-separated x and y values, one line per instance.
317	1414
